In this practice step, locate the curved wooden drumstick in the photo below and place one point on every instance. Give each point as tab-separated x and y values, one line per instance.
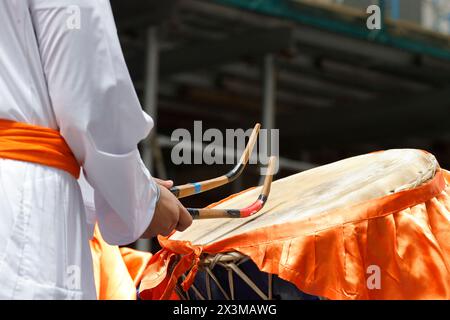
202	186
239	213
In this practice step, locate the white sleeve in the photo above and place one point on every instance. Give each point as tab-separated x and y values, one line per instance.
97	110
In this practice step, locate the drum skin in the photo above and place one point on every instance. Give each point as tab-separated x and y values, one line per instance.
318	190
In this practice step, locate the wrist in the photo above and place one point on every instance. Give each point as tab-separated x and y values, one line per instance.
158	192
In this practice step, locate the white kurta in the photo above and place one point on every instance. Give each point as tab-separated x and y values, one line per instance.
57	75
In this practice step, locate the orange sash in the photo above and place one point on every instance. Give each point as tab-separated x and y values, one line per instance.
30	143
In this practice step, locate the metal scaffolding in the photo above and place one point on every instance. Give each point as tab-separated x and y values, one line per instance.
317	74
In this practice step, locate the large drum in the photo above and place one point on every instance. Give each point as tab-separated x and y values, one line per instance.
371	226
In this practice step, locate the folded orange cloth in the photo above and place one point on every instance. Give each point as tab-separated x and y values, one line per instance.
117	271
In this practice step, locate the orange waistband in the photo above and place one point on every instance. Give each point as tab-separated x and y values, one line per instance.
30	143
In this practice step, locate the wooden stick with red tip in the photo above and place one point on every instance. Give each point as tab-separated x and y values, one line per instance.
244	212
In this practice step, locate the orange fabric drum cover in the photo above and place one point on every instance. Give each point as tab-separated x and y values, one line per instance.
404	236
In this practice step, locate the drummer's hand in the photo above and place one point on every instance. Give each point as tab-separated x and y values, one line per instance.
169	214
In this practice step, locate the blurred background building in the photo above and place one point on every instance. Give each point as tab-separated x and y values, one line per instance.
310	68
